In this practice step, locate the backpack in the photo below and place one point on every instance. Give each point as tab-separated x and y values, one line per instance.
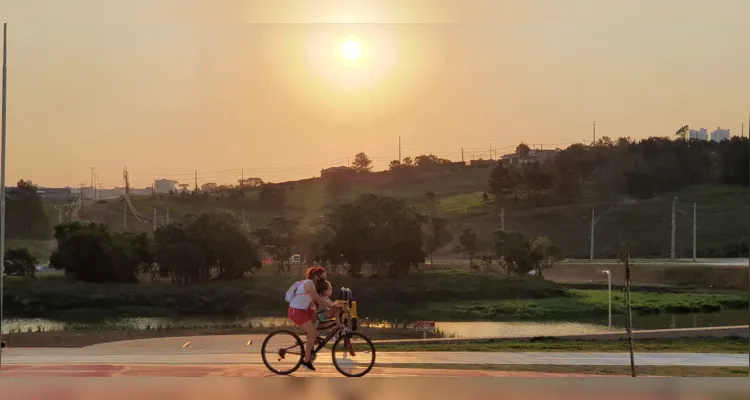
292	292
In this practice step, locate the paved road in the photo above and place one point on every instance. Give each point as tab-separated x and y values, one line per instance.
237	370
225	350
540	358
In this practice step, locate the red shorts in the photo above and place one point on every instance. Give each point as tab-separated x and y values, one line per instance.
299	317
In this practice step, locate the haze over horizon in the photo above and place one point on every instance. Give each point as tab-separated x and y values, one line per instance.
163	88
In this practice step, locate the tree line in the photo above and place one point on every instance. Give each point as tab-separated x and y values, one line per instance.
385	233
623	168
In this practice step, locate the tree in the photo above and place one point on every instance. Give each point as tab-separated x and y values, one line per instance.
431	203
435	235
279	238
25	212
544	254
250	182
209	187
514	249
429	161
468	241
382	231
522	255
522	150
205	247
537	178
20	262
362	163
272	197
504	180
90	253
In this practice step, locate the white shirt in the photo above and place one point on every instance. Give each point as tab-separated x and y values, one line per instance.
302	300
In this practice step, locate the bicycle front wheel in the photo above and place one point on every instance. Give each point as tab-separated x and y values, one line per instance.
282	352
353	355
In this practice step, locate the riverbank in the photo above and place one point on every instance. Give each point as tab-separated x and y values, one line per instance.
255	296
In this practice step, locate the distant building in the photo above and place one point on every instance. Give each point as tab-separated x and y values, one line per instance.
719	134
55	193
700	134
540	156
336	171
165	185
482	163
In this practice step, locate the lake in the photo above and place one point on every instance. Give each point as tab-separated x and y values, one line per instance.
452	329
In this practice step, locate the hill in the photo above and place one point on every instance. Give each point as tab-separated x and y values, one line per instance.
722	213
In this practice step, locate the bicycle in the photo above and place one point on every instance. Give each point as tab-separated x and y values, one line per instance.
345	336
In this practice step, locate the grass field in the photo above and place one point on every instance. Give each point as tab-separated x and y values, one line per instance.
580	305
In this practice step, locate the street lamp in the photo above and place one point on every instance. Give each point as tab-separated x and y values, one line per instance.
609	294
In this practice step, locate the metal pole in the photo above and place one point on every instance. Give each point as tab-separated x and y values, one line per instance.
609	296
591	250
609	291
2	182
674	228
630	314
695	232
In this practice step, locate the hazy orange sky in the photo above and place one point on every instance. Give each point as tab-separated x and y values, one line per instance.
168	87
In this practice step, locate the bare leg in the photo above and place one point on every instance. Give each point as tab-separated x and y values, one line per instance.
312	334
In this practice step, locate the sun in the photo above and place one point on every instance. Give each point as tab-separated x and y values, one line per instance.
351	50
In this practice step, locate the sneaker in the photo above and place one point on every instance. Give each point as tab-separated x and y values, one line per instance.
309	365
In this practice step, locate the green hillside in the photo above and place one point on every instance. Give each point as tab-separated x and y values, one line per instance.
723	213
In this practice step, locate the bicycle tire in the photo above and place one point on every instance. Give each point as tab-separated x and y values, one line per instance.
339	341
298	344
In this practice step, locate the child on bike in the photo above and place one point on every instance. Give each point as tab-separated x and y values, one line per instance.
325	314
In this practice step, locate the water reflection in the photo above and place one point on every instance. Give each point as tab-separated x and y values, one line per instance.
448	329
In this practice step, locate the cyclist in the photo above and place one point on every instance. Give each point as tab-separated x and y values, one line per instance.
301	311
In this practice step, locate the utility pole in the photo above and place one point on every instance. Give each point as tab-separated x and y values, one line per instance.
594	142
490	151
124	214
695	232
674	227
242	177
593	222
196	179
91	191
462	155
399	149
630	314
2	180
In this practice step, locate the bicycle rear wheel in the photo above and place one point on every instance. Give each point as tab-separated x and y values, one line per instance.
353	355
284	347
